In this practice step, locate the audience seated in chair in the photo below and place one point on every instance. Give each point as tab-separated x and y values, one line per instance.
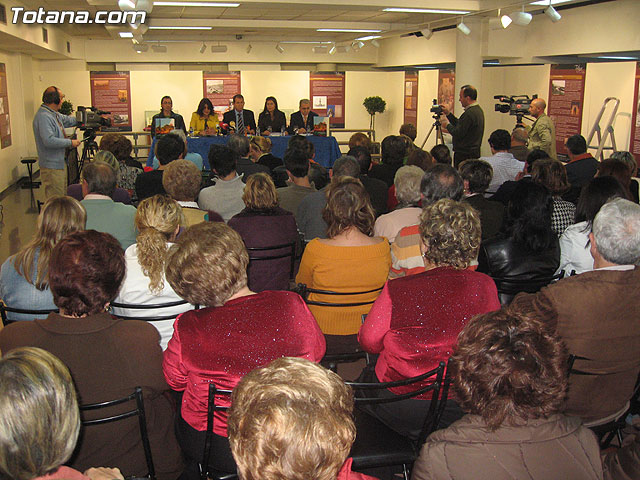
128	168
40	420
596	315
476	175
263	224
237	332
376	188
553	176
296	161
107	357
527	250
349	260
158	221
168	149
414	323
119	194
291	420
509	373
225	197
24	278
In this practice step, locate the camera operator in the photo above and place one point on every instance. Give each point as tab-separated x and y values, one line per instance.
51	142
467	130
543	132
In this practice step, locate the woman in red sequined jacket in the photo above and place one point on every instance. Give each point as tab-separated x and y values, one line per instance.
238	331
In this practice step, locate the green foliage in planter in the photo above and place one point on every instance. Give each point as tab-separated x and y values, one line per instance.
374	105
66	108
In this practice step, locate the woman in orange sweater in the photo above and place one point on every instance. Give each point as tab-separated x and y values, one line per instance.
350	260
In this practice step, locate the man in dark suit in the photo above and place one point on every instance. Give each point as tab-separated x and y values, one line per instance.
376	188
467	130
476	177
302	120
240	120
596	315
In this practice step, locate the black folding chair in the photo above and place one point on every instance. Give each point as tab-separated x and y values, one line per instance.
159	306
4	309
509	287
376	444
274	252
142	422
206	472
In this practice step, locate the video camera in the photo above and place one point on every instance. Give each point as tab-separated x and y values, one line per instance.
435	108
517	105
89	118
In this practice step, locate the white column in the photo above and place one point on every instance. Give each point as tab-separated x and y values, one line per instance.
469	58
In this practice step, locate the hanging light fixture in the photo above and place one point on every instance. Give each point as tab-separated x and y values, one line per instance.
427	33
552	13
203	48
463	28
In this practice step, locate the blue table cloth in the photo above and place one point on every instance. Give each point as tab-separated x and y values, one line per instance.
327	149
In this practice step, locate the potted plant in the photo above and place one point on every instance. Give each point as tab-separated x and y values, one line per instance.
374	105
66	108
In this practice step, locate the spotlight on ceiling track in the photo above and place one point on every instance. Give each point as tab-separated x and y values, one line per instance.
218	48
357	45
159	48
505	20
279	48
552	13
333	49
249	47
463	28
203	48
427	33
140	47
375	43
521	18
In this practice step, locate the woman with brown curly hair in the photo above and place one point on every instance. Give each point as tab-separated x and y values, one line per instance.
349	260
239	330
414	323
158	220
510	375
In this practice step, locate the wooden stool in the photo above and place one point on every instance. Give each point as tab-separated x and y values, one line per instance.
29	161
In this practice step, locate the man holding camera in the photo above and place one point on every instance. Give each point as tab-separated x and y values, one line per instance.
51	142
467	130
543	132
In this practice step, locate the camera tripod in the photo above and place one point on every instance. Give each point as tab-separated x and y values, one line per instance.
438	127
89	148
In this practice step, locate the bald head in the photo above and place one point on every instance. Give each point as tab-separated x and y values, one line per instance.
519	137
52	97
539	102
537	107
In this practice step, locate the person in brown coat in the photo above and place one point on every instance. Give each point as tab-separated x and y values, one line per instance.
107	358
510	374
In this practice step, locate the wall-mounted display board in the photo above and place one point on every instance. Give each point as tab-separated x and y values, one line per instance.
411	98
447	88
220	89
5	123
634	146
111	92
566	99
327	96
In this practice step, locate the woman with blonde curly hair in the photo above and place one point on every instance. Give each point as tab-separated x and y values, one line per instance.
158	220
349	260
264	224
24	277
237	331
414	323
510	375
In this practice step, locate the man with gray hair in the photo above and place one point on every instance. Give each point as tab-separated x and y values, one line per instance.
302	121
519	142
245	165
309	214
103	214
596	315
441	181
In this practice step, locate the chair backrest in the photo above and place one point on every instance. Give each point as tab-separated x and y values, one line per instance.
211	409
137	411
4	309
274	252
149	306
509	287
434	383
304	292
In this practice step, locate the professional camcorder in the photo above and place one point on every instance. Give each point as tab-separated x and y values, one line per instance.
517	105
89	118
435	108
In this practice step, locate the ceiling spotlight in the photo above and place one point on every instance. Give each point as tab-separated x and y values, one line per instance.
333	49
357	44
463	28
145	5
159	48
427	33
505	20
140	47
521	18
249	47
203	48
126	34
321	49
126	5
375	43
552	13
279	48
